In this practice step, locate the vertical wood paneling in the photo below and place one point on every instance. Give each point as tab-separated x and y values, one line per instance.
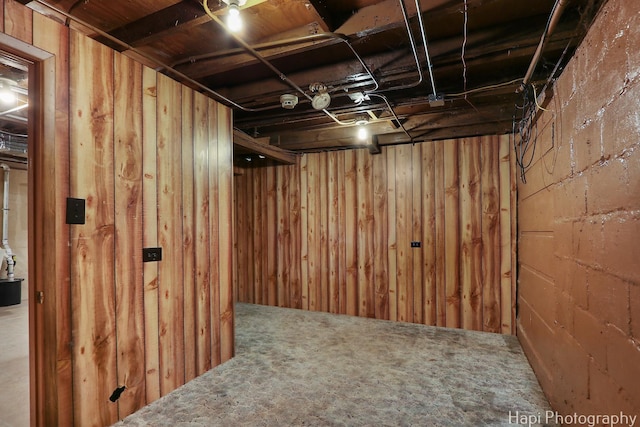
490	235
392	241
106	323
295	264
282	235
304	242
404	216
225	211
214	230
380	234
351	232
342	224
417	225
439	242
18	21
55	404
323	235
366	278
128	234
429	244
446	195
258	259
451	235
313	231
92	244
241	241
202	235
270	242
170	288
150	233
188	238
333	233
470	239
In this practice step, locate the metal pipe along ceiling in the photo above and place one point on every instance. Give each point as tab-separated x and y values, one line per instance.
557	10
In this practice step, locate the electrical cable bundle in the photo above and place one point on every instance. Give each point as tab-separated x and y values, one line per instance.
525	130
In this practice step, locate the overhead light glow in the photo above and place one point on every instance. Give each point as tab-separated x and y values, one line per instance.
362	133
234	21
7	96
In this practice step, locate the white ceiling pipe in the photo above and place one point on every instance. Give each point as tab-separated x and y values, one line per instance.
8	253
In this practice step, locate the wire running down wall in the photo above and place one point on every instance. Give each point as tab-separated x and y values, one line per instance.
333	233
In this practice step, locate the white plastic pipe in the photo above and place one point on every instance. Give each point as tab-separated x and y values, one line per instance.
8	253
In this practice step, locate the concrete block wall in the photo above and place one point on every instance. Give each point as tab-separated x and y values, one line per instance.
579	227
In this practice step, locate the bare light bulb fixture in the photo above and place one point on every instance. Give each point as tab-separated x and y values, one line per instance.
362	122
362	133
234	20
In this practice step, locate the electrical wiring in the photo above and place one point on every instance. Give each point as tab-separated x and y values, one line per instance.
482	89
523	128
464	45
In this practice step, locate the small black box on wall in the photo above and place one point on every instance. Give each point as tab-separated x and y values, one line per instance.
75	211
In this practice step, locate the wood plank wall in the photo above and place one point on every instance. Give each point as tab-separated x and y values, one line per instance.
333	233
153	161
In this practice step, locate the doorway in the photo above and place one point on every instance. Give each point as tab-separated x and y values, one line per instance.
14	282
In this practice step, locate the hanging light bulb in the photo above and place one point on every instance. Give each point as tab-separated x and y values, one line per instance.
234	20
362	133
362	122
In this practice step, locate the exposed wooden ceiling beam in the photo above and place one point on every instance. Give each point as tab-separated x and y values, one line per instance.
250	144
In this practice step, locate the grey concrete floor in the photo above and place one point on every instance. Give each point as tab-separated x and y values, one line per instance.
14	365
297	368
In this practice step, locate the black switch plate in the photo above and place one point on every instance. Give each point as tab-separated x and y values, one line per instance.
151	254
415	244
75	211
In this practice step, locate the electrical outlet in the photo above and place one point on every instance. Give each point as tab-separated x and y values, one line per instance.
415	244
151	254
75	211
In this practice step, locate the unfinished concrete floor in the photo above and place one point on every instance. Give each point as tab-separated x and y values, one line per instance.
294	367
14	365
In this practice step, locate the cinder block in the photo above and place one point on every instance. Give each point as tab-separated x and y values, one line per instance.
539	334
605	396
587	241
613	71
570	198
622	122
572	373
538	291
563	246
536	251
634	303
564	311
562	166
536	212
621	252
623	356
608	186
590	333
633	172
571	278
609	300
587	146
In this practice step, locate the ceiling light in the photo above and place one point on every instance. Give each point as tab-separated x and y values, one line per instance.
361	122
234	20
6	96
362	133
